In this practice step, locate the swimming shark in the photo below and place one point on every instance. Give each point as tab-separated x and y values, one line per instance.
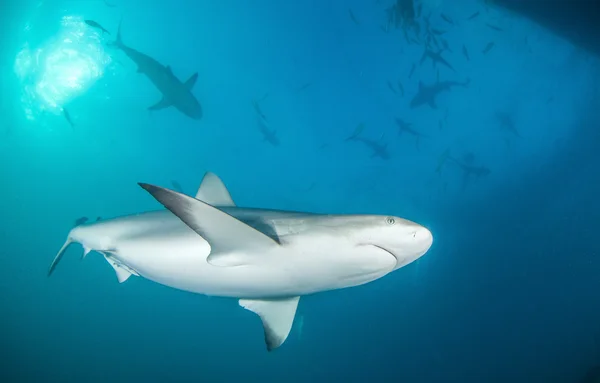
427	94
378	149
265	258
175	93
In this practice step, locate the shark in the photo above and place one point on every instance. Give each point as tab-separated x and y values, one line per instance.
379	150
404	126
174	92
267	259
436	58
269	135
427	94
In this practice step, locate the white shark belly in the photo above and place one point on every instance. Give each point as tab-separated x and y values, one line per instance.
178	258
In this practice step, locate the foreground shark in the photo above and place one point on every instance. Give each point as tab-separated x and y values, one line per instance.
266	258
175	93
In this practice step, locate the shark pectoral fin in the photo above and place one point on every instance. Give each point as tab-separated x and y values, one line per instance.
123	273
190	82
163	103
213	191
225	234
432	104
277	316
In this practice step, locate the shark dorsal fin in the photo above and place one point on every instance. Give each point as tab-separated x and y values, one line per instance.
169	70
228	237
213	191
190	82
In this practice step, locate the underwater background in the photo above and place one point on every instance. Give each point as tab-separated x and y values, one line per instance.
502	168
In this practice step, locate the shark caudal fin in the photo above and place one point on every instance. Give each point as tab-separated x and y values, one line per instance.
60	254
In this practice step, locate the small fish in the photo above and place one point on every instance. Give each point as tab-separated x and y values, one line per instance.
437	31
494	27
385	28
550	99
98	219
353	17
94	24
466	53
68	117
303	87
389	84
412	70
474	15
445	45
488	47
81	221
176	186
447	18
110	5
401	88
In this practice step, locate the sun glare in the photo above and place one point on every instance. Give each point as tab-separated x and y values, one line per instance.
61	69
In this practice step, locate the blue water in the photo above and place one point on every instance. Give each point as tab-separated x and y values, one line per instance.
508	292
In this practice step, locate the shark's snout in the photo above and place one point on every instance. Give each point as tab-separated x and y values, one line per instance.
424	238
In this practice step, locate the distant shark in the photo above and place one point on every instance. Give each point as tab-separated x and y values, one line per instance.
427	94
379	150
267	259
175	93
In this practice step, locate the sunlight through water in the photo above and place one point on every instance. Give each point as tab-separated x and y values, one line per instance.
61	69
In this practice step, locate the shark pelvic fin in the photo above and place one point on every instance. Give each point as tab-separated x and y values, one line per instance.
277	316
162	104
213	191
190	82
123	272
225	234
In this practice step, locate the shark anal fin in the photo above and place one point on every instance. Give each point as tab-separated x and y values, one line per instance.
213	191
277	316
190	82
162	104
225	234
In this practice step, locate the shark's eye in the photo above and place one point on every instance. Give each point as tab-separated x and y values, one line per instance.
390	220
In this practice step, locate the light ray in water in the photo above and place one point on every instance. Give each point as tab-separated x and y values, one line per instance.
62	68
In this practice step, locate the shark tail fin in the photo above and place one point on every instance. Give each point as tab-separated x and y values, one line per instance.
59	255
